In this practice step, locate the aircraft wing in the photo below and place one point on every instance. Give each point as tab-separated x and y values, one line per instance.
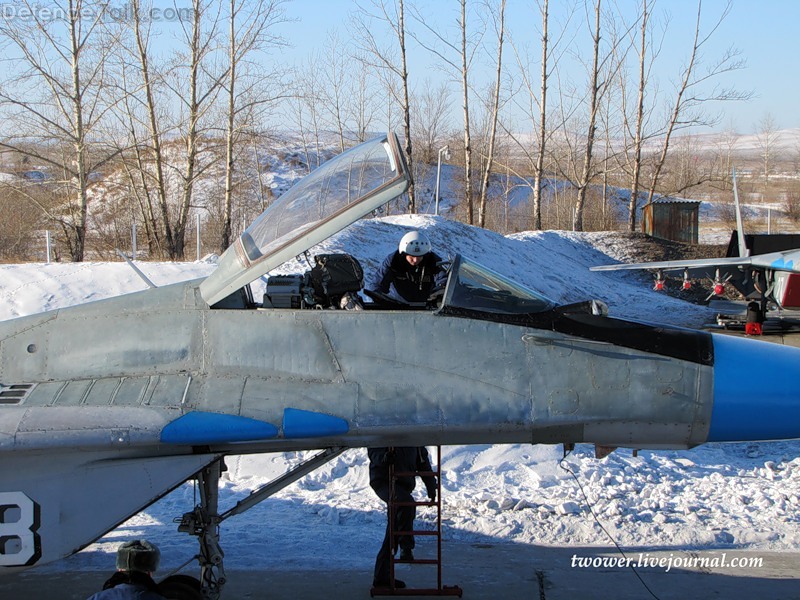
143	429
779	261
675	265
72	473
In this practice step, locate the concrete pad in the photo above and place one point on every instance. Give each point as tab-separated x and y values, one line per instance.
488	571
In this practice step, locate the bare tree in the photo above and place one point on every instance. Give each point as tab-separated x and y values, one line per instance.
457	58
334	84
148	151
639	122
597	88
389	63
362	104
198	70
168	116
537	174
304	111
346	92
577	162
611	127
249	88
767	138
21	218
499	20
687	110
430	106
467	137
727	142
54	106
535	107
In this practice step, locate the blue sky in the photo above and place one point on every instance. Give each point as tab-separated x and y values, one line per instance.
767	33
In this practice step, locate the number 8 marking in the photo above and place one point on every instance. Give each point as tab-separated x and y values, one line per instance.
20	545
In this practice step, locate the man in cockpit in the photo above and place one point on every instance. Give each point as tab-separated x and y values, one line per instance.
412	273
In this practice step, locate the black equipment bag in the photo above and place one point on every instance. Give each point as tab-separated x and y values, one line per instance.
334	275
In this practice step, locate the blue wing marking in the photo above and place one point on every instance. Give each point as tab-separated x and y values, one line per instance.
207	428
783	264
302	423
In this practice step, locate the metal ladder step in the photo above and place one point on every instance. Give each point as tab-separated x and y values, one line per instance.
439	590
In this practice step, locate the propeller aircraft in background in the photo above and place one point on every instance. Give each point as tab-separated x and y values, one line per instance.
764	278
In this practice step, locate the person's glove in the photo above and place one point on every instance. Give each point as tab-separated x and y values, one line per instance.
432	492
436	294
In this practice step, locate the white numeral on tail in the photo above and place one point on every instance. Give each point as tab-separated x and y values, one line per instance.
19	521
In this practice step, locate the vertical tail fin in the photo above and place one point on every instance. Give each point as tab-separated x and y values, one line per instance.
743	250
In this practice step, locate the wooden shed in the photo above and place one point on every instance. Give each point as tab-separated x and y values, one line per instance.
672	219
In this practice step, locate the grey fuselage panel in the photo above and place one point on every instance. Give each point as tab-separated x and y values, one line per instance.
410	377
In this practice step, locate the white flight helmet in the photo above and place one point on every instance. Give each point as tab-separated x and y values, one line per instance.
415	244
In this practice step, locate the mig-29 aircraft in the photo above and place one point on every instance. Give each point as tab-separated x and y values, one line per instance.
107	406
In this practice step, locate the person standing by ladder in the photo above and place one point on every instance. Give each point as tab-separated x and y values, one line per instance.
412	459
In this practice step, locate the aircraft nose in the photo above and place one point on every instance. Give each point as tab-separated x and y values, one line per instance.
756	391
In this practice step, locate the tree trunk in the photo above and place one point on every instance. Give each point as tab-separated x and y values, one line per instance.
586	171
496	108
155	131
538	171
177	250
78	246
467	137
225	236
412	202
637	143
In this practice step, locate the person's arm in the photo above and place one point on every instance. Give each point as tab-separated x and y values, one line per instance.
383	277
440	275
424	464
381	456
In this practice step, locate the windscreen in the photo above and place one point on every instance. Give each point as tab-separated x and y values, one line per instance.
477	287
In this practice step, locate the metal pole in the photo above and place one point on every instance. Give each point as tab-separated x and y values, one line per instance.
133	240
436	193
769	221
198	235
446	151
48	244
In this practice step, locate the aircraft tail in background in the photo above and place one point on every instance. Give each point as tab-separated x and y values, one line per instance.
743	250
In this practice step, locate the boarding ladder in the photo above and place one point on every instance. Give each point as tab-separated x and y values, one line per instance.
439	590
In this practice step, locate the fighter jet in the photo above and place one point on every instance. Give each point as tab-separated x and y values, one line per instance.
107	406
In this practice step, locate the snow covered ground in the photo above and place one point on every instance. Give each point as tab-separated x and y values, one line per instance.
714	496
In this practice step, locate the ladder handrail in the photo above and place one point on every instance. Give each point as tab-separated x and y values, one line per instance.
437	532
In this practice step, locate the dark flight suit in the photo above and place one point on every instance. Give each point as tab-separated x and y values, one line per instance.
405	459
412	283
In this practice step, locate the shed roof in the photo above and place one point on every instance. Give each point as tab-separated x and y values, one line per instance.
667	200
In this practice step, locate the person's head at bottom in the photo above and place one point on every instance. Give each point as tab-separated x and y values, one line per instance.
138	555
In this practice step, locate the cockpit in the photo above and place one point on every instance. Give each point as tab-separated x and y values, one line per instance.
338	193
341	191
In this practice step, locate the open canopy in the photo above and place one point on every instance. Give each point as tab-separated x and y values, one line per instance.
338	193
